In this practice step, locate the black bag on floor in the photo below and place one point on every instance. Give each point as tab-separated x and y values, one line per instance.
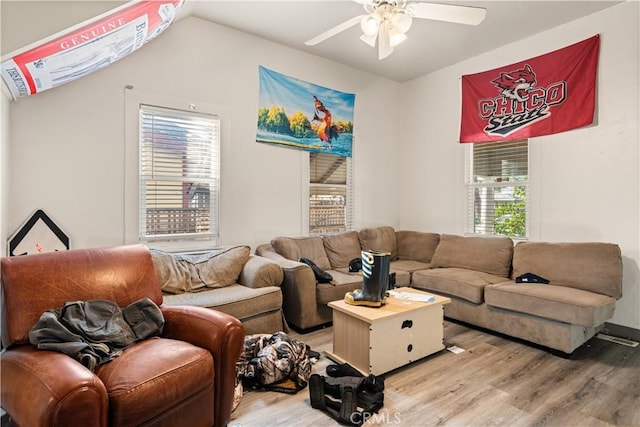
347	399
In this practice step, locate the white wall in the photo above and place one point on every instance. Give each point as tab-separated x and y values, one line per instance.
67	150
4	170
584	183
69	153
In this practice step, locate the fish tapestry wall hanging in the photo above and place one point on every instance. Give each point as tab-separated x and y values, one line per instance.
548	94
297	114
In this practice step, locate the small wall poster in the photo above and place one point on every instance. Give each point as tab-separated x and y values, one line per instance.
39	234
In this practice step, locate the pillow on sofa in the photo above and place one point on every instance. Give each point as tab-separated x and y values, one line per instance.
416	245
488	254
181	273
379	239
294	248
342	248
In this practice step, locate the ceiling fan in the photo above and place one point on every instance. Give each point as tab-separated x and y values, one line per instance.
387	21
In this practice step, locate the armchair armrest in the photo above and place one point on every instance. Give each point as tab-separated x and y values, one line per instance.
54	389
222	335
259	272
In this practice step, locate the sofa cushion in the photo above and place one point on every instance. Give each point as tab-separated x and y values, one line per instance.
409	265
458	282
342	248
294	248
403	277
379	239
487	254
239	301
180	273
569	305
416	245
133	379
595	267
341	284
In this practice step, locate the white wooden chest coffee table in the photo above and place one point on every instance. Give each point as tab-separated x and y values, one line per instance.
378	340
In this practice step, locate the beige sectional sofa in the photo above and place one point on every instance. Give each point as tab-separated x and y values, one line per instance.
477	273
305	300
230	280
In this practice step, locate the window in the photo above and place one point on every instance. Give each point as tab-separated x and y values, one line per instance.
497	180
179	175
330	204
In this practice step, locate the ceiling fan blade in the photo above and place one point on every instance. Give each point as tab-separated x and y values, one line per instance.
335	30
469	15
384	43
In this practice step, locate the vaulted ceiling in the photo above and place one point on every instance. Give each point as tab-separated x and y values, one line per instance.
431	45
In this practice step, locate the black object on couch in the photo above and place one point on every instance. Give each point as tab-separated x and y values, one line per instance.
321	275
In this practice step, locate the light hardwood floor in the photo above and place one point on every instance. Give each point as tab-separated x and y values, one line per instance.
497	381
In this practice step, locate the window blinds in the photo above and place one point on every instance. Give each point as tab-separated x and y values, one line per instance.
179	168
330	195
497	179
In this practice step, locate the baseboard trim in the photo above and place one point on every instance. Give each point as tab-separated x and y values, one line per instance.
621	331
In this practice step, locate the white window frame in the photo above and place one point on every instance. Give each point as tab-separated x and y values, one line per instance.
133	195
471	188
157	162
307	185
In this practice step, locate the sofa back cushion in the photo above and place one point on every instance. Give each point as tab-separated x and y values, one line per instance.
294	248
416	245
218	268
342	248
595	267
488	254
379	239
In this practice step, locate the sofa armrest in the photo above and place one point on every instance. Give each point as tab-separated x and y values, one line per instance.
298	288
260	272
50	388
222	335
295	273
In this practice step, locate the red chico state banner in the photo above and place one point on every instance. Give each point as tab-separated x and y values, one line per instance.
79	52
547	94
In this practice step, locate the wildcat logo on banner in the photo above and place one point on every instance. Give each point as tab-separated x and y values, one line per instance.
544	95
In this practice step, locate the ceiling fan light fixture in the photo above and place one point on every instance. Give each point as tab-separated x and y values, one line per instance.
395	38
369	39
370	24
401	22
388	21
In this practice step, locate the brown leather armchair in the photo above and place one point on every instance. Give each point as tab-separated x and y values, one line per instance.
183	378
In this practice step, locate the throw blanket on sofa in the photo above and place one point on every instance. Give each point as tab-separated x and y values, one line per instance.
96	331
274	362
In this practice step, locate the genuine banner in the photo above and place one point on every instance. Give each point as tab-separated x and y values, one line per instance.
94	46
544	95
